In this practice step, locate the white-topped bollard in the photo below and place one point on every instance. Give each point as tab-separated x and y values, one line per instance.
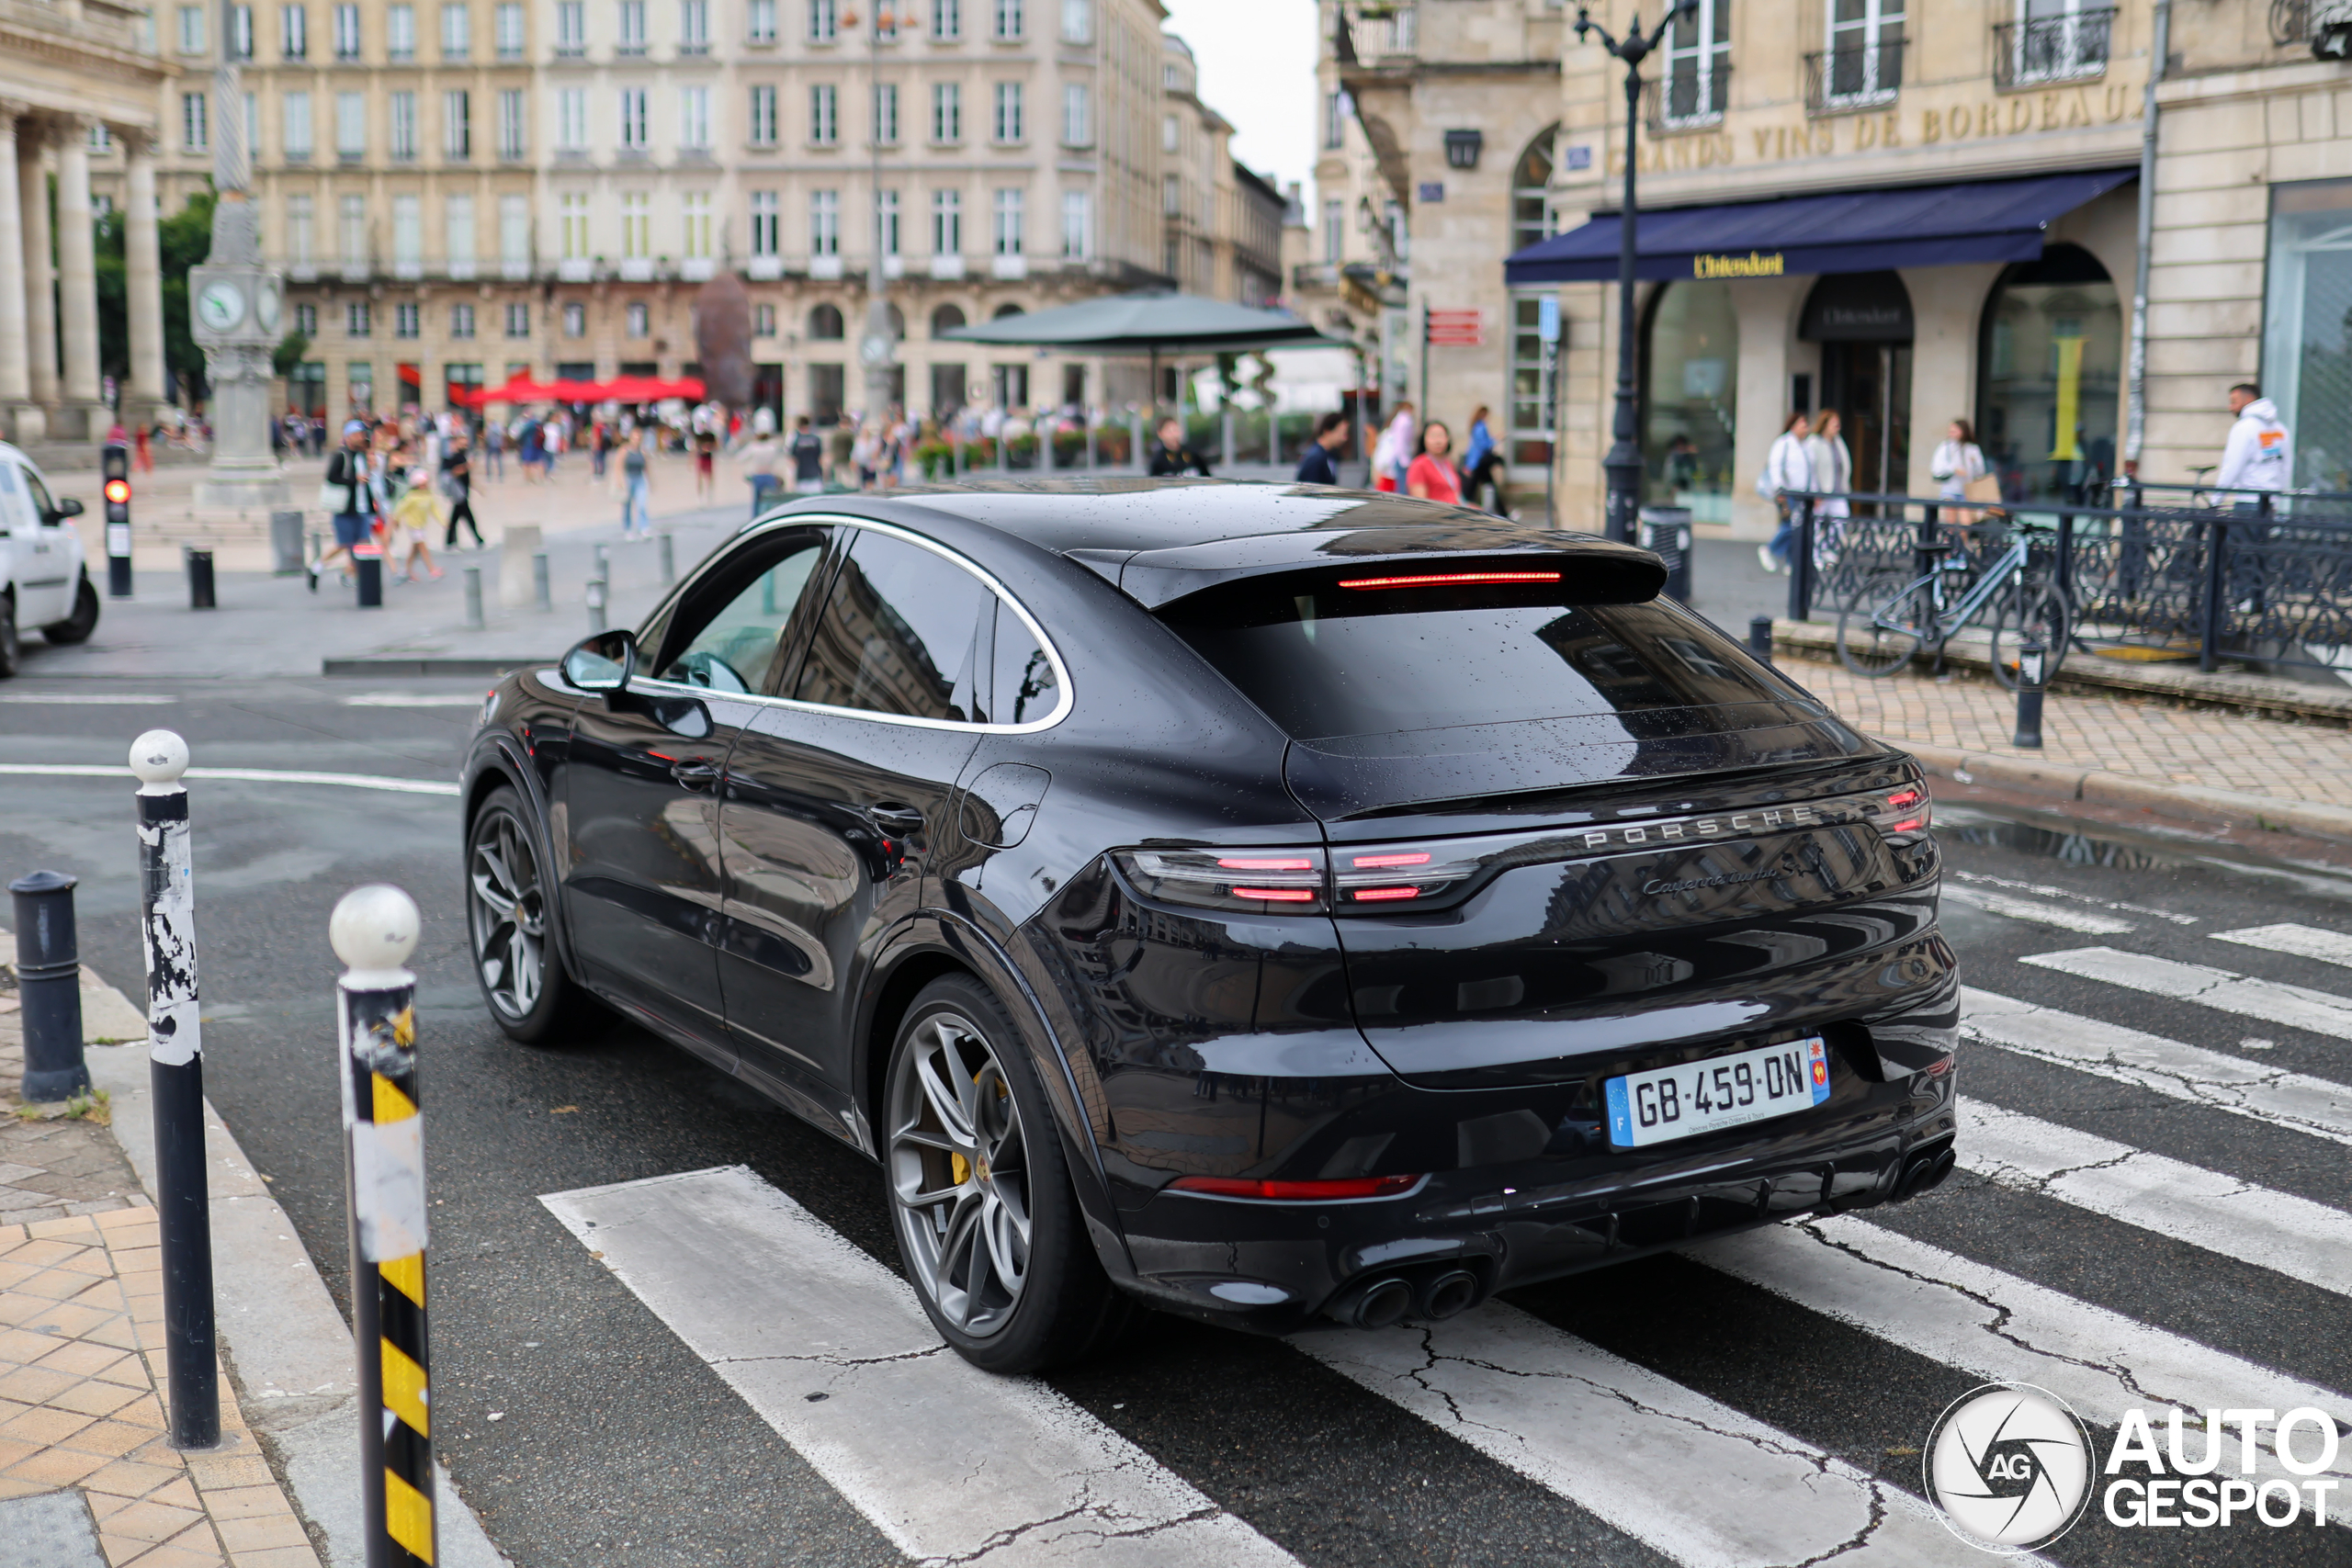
374	931
175	1070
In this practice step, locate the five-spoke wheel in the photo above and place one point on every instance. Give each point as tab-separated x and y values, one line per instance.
506	920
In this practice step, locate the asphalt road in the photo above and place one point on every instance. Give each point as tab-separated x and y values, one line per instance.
615	1443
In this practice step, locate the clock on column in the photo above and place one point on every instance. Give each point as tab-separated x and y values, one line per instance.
221	305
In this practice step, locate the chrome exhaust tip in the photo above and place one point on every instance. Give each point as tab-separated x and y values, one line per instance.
1379	1303
1444	1294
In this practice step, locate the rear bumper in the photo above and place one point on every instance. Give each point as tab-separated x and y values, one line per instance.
1272	1267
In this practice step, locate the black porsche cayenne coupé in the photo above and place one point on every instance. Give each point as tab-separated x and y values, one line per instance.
1263	903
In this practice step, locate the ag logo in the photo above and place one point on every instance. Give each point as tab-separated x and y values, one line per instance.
2009	1466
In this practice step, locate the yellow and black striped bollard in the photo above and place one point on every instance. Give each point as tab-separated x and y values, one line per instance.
374	931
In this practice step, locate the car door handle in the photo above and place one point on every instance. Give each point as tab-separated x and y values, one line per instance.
695	775
896	821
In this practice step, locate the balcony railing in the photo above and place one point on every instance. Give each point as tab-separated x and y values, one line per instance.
1687	99
1382	30
2051	48
1859	77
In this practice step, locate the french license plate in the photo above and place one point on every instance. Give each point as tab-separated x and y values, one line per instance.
1707	1096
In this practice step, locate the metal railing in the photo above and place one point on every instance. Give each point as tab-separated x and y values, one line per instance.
2051	48
1687	99
1859	77
2164	573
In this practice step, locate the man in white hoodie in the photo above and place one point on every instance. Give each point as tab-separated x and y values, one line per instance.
2258	457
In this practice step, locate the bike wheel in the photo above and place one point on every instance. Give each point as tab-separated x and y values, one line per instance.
2034	612
1881	639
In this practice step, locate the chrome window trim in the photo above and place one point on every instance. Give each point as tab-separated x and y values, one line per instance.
1003	595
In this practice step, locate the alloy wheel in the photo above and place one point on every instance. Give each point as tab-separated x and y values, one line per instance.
959	1173
508	914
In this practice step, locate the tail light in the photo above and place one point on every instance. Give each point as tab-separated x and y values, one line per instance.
1259	882
1389	875
1296	1192
1903	814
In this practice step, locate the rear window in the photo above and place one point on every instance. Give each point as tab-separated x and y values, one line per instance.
1331	662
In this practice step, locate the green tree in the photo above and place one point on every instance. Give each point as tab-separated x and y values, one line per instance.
286	358
185	239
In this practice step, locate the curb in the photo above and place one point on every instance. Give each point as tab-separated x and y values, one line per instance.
2096	786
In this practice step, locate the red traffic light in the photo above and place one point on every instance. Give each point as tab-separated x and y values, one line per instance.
119	492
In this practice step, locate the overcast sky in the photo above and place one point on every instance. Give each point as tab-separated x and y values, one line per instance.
1257	59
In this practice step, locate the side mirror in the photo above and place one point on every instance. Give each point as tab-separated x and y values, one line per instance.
604	662
68	507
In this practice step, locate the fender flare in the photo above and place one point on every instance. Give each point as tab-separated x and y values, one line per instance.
499	752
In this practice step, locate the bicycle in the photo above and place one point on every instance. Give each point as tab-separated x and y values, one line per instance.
1920	613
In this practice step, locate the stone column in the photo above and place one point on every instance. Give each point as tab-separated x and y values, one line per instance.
41	302
143	268
77	282
15	371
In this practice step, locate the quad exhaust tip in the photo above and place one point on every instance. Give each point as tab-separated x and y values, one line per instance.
1430	1294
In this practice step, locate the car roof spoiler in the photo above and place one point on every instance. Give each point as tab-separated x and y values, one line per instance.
1603	572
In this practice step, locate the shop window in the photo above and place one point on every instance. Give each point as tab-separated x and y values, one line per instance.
1531	433
1690	388
2052	352
1530	220
2307	328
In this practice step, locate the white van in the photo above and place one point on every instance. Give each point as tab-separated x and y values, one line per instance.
43	581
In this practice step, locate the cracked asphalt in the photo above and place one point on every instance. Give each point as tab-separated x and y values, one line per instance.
614	1444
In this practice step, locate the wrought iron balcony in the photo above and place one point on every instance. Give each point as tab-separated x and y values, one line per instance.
2051	48
1687	99
1862	76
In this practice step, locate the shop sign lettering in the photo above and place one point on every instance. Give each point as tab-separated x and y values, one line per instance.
2022	114
1752	264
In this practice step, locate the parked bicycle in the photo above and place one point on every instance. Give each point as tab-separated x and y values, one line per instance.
1885	629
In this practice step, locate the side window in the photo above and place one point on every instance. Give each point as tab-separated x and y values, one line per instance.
44	509
898	634
16	511
1025	688
738	647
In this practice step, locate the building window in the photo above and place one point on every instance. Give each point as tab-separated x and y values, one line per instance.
633	118
575	319
1335	231
300	243
519	319
509	122
1078	224
399	32
351	126
457	33
824	125
2304	367
1077	21
352	223
506	30
346	33
760	27
637	224
694	27
293	31
403	108
306	320
241	32
514	234
571	118
637	320
192	39
571	218
1168	133
824	20
632	33
947	21
1008	124
461	320
1864	62
357	322
1530	178
457	230
764	115
947	223
408	320
694	211
193	129
252	127
1008	15
408	235
1698	65
886	114
1008	221
693	118
294	122
764	211
571	29
825	224
886	221
946	112
1172	195
825	324
763	320
1077	119
457	124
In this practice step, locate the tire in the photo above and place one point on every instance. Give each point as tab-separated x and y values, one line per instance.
77	627
12	647
508	934
2033	613
1868	647
988	1224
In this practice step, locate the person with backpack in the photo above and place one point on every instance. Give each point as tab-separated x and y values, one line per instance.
349	497
1787	468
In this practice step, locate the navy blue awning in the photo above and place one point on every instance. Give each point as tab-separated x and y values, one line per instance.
1854	231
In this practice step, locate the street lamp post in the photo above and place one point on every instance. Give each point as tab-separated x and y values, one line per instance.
1623	463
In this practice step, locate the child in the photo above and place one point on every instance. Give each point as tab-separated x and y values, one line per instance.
416	515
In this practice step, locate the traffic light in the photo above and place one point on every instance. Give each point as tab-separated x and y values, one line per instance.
114	466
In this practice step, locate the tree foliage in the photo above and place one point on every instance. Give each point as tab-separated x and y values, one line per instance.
286	358
184	240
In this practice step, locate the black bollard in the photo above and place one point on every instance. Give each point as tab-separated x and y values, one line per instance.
49	986
199	581
1760	637
367	561
2031	658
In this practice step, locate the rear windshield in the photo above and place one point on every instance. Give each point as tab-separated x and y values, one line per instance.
1323	664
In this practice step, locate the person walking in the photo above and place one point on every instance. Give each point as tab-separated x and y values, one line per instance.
759	458
349	497
636	485
1431	475
705	466
457	479
1394	452
1787	468
414	516
2258	457
532	450
493	449
808	450
1171	456
1482	464
1957	461
1318	464
1833	473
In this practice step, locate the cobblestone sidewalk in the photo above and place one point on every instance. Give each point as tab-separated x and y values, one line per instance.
2145	740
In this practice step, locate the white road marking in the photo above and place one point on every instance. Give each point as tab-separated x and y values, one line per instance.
2298	1007
1655	1460
410	700
2038	913
2295	1101
91	699
2302	941
247	775
2269	1229
2052	890
1956	1311
833	1351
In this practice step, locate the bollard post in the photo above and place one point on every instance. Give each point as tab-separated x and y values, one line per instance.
1759	638
2031	658
474	622
367	561
374	930
540	589
1094	453
199	581
175	1069
669	559
49	986
1224	439
596	597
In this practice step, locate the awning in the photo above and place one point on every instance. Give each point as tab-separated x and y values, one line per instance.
1854	231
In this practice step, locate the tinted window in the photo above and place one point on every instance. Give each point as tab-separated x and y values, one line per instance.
1026	687
1325	663
899	634
738	647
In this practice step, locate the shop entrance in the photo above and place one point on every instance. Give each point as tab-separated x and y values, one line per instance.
1862	321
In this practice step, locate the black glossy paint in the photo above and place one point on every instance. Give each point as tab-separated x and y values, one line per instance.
840	861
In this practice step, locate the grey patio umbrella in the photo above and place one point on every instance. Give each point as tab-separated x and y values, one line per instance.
1150	321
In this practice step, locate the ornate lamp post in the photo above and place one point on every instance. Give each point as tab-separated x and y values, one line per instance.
1623	463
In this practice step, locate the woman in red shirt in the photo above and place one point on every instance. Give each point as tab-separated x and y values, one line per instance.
1432	476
